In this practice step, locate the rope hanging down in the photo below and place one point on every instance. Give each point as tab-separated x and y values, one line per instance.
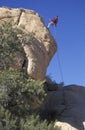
59	63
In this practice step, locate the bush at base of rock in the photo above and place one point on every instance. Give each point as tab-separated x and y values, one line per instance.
20	100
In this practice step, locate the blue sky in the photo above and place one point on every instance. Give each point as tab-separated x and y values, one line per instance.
69	35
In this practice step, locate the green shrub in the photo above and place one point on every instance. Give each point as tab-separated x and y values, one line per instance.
19	94
11	42
6	121
9	45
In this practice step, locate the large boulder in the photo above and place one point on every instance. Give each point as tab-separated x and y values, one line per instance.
67	105
40	51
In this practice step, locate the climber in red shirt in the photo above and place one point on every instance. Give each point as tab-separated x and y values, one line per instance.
53	21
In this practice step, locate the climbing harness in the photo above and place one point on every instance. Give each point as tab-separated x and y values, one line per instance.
59	64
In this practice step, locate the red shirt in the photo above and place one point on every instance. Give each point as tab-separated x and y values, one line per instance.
55	20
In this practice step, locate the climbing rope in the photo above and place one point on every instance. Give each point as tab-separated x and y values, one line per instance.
60	68
59	63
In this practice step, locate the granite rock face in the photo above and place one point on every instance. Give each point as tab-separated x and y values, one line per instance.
39	52
67	104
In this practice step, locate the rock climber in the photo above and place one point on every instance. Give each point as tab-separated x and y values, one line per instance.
53	21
